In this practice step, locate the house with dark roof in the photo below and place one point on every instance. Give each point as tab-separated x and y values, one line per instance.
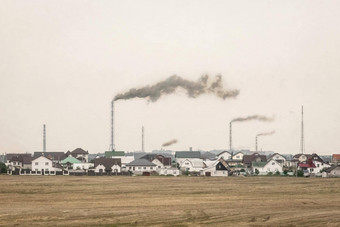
310	163
107	165
141	167
79	154
159	160
189	161
248	160
333	171
19	161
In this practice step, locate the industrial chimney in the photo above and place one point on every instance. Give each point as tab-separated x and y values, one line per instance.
112	145
142	138
44	139
230	140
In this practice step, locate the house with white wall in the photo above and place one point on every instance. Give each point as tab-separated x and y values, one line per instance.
265	168
219	168
279	158
141	167
333	171
189	161
310	163
224	154
82	166
169	171
43	165
107	165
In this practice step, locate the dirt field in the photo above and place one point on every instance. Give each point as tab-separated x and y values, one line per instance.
168	201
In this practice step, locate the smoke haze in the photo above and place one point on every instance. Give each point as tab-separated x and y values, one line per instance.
169	86
266	133
253	117
169	143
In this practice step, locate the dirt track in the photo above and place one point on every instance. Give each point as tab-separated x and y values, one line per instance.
169	201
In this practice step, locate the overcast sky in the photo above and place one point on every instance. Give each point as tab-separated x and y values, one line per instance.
62	62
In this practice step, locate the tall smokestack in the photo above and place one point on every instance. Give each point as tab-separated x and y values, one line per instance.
112	146
256	143
230	139
302	142
44	139
142	138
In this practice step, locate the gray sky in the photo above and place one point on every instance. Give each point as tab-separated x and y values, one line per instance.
61	63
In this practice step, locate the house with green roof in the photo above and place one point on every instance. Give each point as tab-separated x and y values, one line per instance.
69	161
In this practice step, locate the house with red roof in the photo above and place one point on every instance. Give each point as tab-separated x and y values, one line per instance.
336	158
311	163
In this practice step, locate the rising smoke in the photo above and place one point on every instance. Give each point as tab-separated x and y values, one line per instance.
168	86
266	133
254	117
169	143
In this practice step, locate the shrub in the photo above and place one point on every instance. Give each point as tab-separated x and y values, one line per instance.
242	170
277	173
3	168
299	173
269	173
257	171
285	172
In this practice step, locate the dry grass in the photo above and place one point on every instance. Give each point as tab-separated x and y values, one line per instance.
168	201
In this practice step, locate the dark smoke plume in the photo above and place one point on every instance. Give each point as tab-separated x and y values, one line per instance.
169	143
266	133
170	85
253	117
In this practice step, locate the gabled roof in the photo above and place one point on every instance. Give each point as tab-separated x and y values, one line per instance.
56	156
70	159
331	168
223	153
188	154
23	158
79	151
239	152
248	159
271	156
48	159
140	162
107	162
335	157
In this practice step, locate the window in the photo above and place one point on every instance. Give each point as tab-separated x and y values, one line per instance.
144	167
273	163
139	167
318	165
46	163
159	166
151	167
36	164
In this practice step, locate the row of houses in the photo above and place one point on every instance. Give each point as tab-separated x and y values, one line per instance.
163	163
